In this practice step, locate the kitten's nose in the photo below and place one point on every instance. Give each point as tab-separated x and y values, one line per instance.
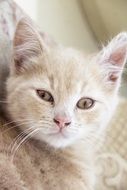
62	121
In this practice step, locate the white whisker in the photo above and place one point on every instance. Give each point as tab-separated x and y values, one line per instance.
15	126
25	139
18	138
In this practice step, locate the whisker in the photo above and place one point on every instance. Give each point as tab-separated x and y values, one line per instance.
24	140
13	122
15	126
22	123
17	138
20	120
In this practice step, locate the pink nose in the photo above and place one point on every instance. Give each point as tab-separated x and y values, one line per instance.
62	121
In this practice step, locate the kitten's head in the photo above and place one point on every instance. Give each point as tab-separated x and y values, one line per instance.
60	95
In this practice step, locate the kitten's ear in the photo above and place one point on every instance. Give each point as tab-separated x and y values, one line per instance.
113	58
27	44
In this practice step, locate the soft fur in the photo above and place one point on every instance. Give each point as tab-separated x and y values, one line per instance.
52	159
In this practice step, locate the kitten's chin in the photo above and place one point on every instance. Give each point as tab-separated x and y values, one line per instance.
58	140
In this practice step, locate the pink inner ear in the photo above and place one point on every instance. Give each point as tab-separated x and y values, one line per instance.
118	57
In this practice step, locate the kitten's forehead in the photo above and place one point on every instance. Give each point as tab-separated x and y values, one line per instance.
67	72
67	69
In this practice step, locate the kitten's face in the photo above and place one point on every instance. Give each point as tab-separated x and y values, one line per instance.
60	96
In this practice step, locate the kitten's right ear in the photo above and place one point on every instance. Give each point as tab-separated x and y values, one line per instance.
112	59
27	44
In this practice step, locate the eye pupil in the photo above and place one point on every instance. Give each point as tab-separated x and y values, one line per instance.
43	95
85	103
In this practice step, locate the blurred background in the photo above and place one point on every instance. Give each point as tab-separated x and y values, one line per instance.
80	23
84	24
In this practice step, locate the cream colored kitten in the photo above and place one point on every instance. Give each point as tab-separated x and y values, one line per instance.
62	100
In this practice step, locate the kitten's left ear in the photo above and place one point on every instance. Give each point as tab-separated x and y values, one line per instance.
27	43
113	57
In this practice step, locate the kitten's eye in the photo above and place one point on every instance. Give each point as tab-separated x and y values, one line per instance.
45	95
85	103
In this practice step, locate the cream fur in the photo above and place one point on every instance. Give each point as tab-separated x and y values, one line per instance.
51	160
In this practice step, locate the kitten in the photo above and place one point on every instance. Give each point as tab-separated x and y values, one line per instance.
62	100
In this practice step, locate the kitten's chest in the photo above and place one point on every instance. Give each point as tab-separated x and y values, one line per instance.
50	170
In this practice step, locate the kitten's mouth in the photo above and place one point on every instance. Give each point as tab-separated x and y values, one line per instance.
60	133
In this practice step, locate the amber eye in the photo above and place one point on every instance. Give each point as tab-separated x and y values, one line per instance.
45	95
85	103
